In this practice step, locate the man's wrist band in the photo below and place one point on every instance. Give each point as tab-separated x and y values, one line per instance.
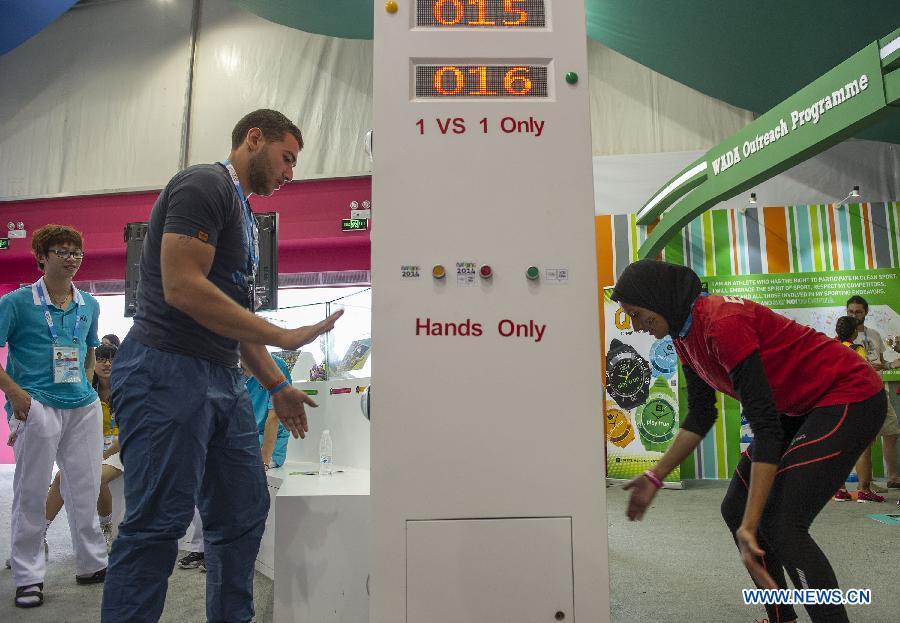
275	383
279	387
652	477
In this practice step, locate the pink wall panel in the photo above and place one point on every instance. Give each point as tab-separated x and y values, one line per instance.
310	237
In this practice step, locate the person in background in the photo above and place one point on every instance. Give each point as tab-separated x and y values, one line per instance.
846	330
112	467
872	341
186	426
195	558
273	441
273	436
55	415
813	406
110	339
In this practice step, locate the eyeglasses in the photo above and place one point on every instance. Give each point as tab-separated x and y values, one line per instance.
65	254
104	359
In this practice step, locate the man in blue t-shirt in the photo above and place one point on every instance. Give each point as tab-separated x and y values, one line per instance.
53	412
273	436
186	427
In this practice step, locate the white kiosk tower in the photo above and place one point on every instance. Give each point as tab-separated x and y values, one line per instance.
488	467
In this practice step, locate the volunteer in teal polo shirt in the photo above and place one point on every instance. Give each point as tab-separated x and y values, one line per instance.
266	420
54	413
22	324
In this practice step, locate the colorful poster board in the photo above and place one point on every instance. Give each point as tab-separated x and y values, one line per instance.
641	410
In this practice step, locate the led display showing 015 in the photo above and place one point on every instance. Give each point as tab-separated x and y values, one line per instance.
480	13
481	81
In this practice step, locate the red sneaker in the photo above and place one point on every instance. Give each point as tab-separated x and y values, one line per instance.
868	496
842	496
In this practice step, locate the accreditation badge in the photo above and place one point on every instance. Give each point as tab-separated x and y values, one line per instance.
66	367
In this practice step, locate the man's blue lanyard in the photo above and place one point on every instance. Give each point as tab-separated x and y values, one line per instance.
686	327
49	318
249	222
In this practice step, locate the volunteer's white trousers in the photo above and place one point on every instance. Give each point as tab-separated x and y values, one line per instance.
74	439
197	535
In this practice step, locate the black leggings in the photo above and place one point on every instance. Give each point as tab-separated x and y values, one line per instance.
819	451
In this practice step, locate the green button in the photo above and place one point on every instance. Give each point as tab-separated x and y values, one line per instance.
571	77
533	272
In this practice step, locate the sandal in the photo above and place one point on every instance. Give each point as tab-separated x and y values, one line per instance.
32	590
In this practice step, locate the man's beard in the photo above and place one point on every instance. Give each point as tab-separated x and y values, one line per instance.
258	174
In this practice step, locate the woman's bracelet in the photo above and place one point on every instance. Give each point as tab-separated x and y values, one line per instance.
652	477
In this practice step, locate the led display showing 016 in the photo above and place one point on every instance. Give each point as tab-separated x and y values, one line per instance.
480	13
481	81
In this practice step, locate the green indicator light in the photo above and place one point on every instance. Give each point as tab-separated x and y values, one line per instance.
4	243
571	77
310	392
533	272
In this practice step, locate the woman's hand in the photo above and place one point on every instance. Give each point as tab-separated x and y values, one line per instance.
642	493
751	556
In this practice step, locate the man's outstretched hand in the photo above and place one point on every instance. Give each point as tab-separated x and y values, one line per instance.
301	336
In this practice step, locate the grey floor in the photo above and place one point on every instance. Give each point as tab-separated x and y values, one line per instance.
679	564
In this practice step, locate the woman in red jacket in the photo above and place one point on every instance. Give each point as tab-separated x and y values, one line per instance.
813	406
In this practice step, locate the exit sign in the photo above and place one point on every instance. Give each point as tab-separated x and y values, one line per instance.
354	224
4	243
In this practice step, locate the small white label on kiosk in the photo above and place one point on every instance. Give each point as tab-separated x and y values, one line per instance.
410	272
360	213
557	276
466	274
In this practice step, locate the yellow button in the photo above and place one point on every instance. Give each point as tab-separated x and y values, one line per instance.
438	272
390	6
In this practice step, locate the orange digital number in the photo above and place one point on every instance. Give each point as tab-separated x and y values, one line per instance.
516	81
482	14
439	80
458	10
509	8
481	72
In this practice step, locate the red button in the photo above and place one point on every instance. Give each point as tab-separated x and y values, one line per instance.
486	272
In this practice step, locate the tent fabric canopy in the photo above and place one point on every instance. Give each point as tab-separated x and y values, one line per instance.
22	19
749	54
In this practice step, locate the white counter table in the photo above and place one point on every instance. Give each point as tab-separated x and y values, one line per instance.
316	544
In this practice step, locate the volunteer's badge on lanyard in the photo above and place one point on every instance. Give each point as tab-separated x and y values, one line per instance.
66	366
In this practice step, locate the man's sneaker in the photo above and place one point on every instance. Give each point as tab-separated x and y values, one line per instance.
876	488
203	566
191	561
106	529
95	578
842	496
8	564
868	496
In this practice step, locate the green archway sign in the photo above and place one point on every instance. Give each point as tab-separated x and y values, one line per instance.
834	107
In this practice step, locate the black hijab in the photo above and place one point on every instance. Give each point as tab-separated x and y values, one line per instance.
667	289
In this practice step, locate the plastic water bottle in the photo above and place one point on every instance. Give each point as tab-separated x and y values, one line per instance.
326	453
